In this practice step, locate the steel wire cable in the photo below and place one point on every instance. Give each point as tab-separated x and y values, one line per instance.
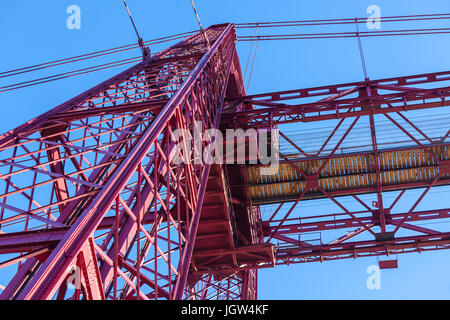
382	123
69	74
239	25
90	55
294	23
340	35
119	49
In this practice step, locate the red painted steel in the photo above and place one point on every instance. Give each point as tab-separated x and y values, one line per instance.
336	103
127	217
92	197
382	229
388	264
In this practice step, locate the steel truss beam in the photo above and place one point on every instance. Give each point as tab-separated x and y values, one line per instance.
99	168
339	101
91	195
332	171
361	249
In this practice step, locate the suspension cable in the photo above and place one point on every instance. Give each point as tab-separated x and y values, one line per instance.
253	65
361	52
241	26
200	25
317	22
145	50
91	55
250	54
335	35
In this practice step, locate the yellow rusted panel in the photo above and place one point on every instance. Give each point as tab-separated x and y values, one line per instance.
346	173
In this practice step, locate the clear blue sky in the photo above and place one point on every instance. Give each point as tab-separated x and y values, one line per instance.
33	32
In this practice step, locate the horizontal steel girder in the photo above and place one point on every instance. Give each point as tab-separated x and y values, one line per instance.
335	101
343	175
321	253
92	184
338	221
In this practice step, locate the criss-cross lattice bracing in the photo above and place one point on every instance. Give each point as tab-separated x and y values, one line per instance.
91	182
375	151
95	203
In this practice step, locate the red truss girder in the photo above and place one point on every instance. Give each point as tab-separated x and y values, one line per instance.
323	173
98	168
339	221
90	191
336	101
389	176
359	249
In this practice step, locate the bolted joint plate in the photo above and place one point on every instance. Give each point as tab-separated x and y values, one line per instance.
376	215
386	236
444	167
312	182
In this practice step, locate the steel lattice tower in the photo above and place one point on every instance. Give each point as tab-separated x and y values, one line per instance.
91	195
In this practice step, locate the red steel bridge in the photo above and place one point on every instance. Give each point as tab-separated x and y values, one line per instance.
93	207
